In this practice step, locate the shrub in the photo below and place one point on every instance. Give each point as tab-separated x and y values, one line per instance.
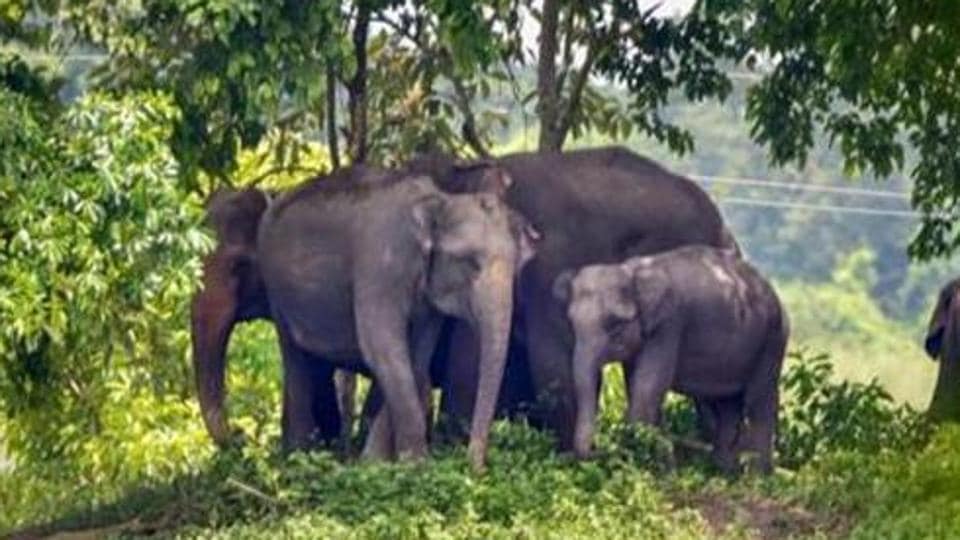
820	415
99	250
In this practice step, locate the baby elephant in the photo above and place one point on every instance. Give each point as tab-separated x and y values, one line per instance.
697	320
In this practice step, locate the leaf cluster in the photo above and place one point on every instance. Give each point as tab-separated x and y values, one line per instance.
99	250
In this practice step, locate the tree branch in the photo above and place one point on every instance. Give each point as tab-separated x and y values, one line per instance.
462	98
572	104
281	169
469	128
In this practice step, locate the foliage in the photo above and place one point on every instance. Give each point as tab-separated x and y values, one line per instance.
822	416
877	89
35	82
163	473
894	494
234	68
844	318
99	252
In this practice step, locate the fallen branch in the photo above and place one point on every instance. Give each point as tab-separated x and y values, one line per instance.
690	444
250	490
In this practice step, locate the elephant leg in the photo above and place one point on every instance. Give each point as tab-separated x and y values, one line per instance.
761	416
425	338
382	333
762	400
460	375
517	395
586	384
326	406
651	378
346	383
379	439
707	413
379	443
550	370
310	412
728	416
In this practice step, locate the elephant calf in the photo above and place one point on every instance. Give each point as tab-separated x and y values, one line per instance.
698	320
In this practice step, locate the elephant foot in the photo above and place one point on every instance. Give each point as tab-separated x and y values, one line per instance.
755	463
413	455
379	443
726	463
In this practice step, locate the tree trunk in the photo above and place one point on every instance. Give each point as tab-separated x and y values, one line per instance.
357	87
332	146
548	94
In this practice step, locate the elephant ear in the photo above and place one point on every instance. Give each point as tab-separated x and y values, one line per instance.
651	288
526	235
427	215
235	215
563	286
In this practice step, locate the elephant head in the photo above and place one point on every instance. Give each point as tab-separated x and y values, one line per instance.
475	246
943	334
232	291
611	308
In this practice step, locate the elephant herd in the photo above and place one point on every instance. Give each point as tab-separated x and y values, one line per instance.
506	283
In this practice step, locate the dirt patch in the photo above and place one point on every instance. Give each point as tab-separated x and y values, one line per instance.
763	518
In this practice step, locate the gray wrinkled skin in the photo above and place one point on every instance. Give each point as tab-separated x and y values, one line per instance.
361	275
698	320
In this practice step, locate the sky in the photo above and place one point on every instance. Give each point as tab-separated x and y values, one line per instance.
669	7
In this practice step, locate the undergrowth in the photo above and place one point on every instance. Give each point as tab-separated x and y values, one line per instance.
847	452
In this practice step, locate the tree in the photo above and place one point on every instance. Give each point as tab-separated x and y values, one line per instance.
238	69
880	79
648	54
99	252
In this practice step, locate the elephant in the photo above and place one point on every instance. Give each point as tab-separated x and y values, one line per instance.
592	206
362	276
232	292
944	328
698	320
942	343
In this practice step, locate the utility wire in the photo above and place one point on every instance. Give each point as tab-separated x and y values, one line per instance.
742	201
886	194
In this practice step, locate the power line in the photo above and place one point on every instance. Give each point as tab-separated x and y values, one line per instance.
887	194
741	201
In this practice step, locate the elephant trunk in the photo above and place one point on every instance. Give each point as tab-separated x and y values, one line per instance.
492	307
586	375
212	319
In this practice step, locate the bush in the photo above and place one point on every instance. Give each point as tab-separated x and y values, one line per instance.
820	415
99	250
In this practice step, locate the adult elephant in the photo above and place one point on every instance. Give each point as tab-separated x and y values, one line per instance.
233	292
592	206
942	343
361	275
